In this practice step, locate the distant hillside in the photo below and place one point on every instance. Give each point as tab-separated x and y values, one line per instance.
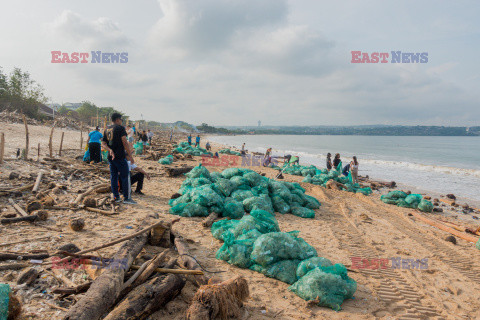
366	130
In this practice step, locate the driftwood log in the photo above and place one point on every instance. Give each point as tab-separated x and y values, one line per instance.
15	256
176	171
187	262
208	221
148	298
104	291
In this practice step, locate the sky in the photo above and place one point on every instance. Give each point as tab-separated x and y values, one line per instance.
235	62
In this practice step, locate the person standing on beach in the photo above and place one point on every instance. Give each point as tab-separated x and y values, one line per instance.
171	135
119	150
94	142
144	139
197	141
329	161
208	146
130	134
243	148
354	170
150	136
189	139
267	158
337	161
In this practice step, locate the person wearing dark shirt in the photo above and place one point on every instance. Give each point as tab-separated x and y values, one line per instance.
336	161
189	139
119	150
329	161
144	139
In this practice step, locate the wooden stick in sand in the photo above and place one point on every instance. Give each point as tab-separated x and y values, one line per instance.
27	137
50	142
2	147
61	144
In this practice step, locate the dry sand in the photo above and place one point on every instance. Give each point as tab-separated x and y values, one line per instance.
346	226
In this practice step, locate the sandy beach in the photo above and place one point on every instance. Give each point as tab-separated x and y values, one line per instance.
346	226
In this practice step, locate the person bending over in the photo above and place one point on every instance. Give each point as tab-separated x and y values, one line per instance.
94	142
119	150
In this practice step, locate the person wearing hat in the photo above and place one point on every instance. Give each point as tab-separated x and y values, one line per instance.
94	143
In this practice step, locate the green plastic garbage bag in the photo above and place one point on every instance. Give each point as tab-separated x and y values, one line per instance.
425	206
284	270
303	212
233	209
330	285
221	226
4	300
309	264
276	246
166	160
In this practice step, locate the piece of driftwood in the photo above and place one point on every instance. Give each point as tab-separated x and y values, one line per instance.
14	256
18	219
50	142
104	291
175	271
14	266
90	190
149	270
37	182
443	227
223	300
104	212
176	171
208	221
187	262
72	290
147	298
17	208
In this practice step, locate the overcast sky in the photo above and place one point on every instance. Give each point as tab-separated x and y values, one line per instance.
234	62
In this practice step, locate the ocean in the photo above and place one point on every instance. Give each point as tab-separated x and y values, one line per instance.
437	164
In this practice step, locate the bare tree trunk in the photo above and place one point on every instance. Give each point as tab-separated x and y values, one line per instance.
2	147
61	145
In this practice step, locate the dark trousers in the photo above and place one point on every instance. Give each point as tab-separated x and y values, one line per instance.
137	177
119	168
95	152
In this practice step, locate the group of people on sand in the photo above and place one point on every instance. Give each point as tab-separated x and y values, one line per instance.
119	143
351	167
197	140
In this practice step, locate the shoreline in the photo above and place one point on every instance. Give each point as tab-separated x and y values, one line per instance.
400	186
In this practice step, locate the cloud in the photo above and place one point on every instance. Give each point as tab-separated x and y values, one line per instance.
100	34
198	27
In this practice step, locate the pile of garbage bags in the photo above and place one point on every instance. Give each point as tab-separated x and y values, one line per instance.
255	242
86	156
166	160
228	151
185	148
234	191
323	176
402	199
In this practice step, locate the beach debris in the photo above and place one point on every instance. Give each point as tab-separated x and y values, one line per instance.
219	300
405	200
77	224
255	242
451	239
451	196
235	191
28	276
